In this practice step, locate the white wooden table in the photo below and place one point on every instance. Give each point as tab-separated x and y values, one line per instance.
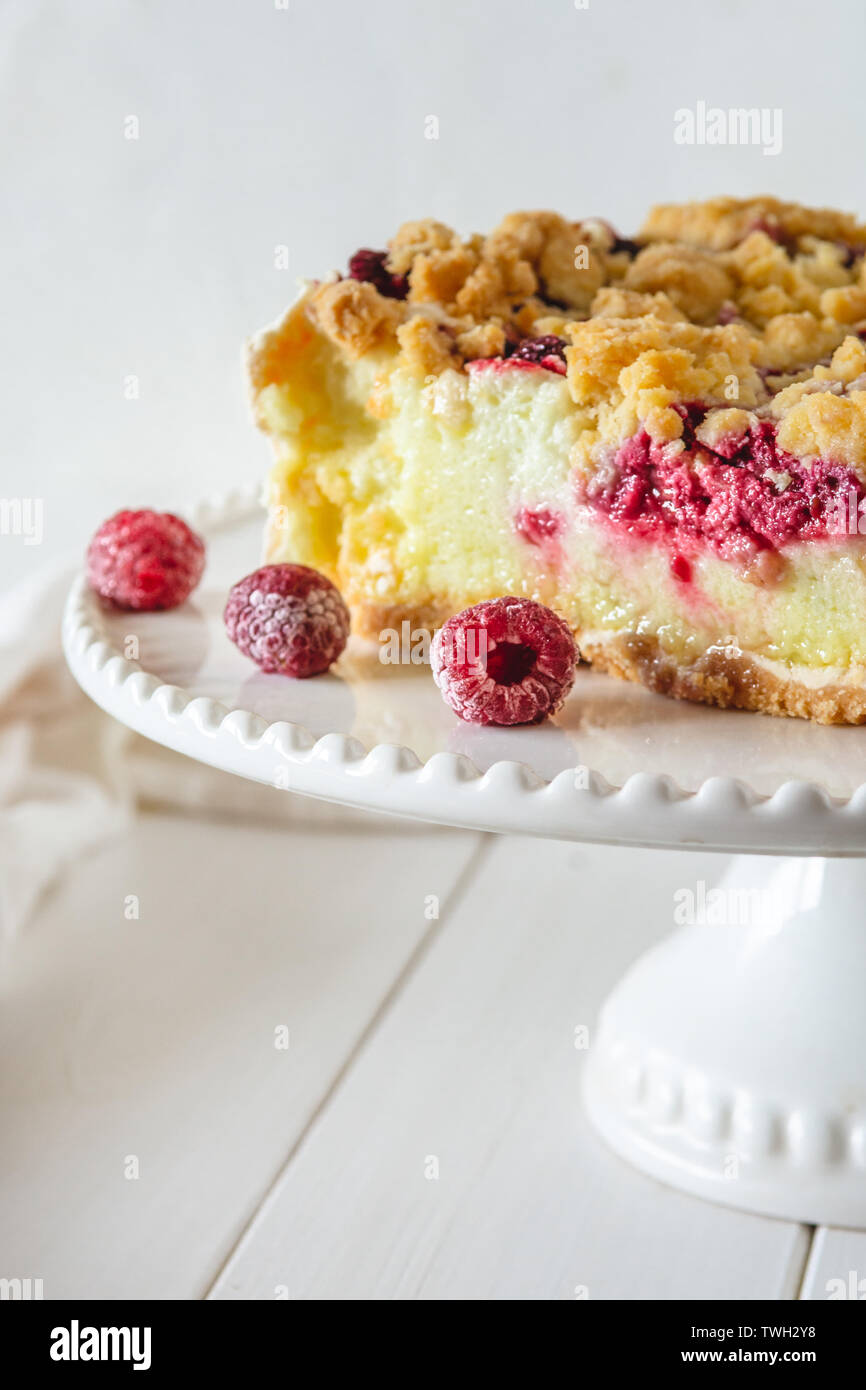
420	1136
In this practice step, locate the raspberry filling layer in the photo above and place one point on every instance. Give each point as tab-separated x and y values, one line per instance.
744	496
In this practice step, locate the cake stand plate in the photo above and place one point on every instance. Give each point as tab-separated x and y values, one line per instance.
731	1060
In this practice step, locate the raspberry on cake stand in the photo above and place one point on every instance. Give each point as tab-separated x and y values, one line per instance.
731	1059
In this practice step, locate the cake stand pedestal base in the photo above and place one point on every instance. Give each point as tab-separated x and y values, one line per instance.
730	1061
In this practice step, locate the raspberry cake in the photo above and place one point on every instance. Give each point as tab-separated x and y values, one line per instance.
663	440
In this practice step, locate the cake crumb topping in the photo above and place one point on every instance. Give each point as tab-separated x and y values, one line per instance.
354	315
738	303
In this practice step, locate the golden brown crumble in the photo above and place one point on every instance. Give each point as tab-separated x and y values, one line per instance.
354	315
481	340
418	239
721	223
613	302
725	423
729	301
844	305
792	341
695	281
427	347
825	415
749	262
494	287
691	361
438	276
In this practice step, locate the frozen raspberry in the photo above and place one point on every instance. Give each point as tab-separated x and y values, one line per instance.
506	661
288	619
370	266
145	560
548	352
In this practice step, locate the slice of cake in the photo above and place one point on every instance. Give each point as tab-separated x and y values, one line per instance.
664	440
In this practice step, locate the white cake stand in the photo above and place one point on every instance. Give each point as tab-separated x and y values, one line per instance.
731	1060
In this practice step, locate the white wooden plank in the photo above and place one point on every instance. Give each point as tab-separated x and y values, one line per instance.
156	1037
837	1266
474	1066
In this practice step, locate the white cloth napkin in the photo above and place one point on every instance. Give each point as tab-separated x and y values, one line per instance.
71	777
60	794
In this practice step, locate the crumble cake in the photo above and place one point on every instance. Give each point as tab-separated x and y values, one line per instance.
662	439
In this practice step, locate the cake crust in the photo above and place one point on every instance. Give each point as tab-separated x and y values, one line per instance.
724	677
729	680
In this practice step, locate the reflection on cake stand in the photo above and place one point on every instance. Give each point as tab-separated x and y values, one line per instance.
731	1060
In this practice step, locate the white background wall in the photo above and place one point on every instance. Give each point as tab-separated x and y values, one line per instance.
262	126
